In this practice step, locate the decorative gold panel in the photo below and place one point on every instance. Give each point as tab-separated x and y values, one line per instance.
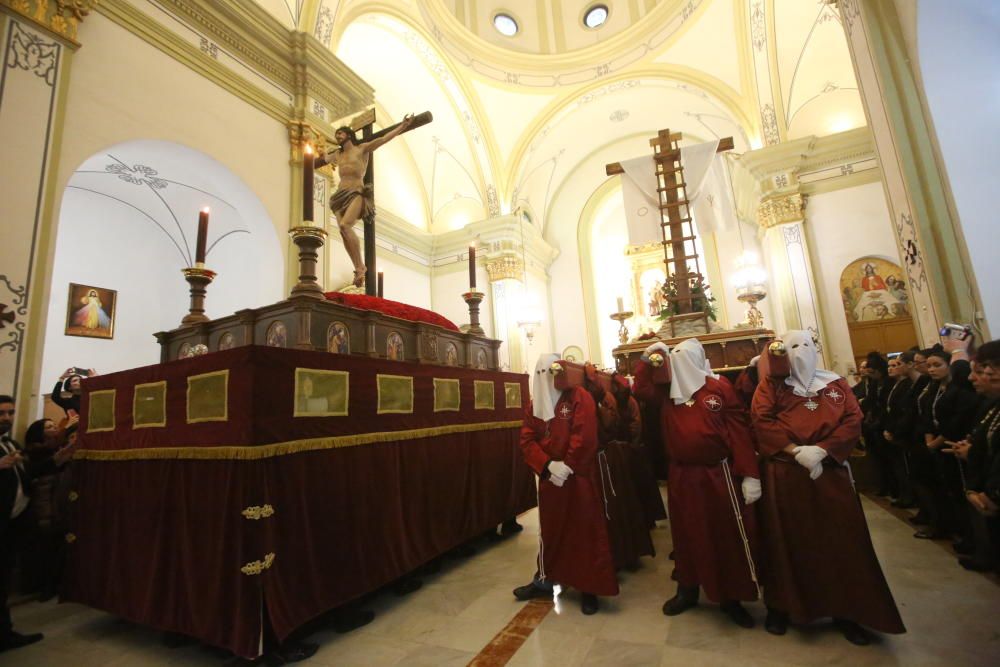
447	395
321	393
484	395
208	397
395	394
780	210
149	405
512	394
101	415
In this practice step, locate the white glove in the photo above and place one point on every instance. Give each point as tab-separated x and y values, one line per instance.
559	470
808	456
656	347
751	490
816	471
558	481
754	361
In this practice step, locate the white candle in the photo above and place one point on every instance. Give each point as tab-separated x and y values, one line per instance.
621	305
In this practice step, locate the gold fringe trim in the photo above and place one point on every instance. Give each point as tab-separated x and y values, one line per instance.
252	453
255	512
255	567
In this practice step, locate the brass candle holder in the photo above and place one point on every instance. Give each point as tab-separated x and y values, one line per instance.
473	299
751	295
198	277
622	329
309	239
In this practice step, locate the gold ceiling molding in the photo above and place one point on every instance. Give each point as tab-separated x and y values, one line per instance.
61	17
780	210
505	267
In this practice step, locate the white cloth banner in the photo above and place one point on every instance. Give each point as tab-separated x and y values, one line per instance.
642	202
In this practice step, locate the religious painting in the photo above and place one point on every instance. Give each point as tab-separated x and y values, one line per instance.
481	360
277	335
338	338
226	342
321	393
874	289
90	311
450	355
573	353
394	347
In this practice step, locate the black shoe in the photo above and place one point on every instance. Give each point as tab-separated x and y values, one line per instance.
776	622
346	619
972	565
918	520
531	592
964	548
510	527
13	640
589	604
406	585
295	652
853	632
929	535
680	603
737	614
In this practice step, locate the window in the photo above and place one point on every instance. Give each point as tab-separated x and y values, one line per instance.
595	16
505	25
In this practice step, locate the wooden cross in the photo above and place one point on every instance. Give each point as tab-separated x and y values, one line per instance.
678	242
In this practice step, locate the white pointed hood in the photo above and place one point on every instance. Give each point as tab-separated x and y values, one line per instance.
688	370
544	394
806	378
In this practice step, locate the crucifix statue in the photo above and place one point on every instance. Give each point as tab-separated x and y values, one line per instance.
683	290
355	195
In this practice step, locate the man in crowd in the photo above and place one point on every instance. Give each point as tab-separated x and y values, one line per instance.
559	442
820	558
14	521
713	480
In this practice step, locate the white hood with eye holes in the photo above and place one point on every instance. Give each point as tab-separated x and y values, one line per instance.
806	378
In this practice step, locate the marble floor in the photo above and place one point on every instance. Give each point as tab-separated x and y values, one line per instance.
951	616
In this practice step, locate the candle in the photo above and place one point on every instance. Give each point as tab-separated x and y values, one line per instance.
621	305
307	184
381	277
472	267
199	251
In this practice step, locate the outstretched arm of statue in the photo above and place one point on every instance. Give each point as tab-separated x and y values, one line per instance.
369	146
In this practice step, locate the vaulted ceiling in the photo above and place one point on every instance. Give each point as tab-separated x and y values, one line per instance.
518	117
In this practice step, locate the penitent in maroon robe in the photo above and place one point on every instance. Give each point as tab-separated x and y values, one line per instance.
574	547
819	558
710	450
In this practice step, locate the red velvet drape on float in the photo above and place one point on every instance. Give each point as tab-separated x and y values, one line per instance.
393	308
203	528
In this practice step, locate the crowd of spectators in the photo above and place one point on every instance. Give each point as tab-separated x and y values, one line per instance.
931	426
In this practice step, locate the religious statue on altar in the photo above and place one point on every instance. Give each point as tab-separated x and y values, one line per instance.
354	198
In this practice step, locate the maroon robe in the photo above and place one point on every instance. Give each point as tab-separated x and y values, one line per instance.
819	558
710	452
574	547
630	429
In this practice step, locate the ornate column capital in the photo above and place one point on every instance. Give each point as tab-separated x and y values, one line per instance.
61	17
505	267
782	209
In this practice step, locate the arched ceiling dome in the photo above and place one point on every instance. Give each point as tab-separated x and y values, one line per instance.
546	27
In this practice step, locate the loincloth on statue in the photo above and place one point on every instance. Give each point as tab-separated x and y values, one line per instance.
342	199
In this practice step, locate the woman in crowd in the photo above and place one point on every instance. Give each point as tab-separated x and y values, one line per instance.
947	407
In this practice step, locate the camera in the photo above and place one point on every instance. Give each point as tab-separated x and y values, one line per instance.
960	331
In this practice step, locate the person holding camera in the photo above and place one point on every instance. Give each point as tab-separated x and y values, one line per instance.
66	393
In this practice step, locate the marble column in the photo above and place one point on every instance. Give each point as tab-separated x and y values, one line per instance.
39	39
506	273
795	304
942	286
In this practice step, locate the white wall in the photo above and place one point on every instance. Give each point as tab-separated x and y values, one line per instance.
106	243
959	56
842	226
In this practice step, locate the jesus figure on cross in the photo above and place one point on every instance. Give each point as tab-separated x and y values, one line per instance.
353	198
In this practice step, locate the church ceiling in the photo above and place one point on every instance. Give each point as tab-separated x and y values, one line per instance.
515	116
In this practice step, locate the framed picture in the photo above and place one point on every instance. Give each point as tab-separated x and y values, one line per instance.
91	311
